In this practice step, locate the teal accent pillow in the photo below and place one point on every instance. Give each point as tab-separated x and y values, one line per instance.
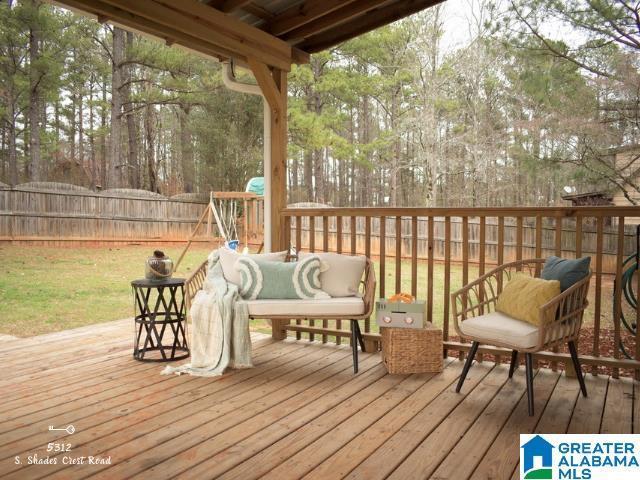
568	272
263	279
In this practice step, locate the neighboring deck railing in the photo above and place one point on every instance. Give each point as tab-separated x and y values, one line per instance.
433	251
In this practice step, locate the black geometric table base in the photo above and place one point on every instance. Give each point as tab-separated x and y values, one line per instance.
151	323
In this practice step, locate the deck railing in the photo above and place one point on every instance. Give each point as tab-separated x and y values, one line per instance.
431	252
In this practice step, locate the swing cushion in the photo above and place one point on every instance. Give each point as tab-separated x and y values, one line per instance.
339	307
342	278
262	279
228	259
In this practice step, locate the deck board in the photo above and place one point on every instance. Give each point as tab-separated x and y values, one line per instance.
300	412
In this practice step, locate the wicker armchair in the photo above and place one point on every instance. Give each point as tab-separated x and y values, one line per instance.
476	319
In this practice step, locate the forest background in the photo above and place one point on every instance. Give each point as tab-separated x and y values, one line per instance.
528	104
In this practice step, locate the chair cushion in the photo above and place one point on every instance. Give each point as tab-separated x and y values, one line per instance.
523	296
263	279
501	328
306	308
343	276
228	259
567	271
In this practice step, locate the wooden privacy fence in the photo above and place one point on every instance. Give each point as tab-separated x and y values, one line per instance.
478	238
63	215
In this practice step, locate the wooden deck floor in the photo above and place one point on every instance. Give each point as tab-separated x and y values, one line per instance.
299	413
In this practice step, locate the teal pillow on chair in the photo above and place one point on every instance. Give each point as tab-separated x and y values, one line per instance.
262	279
568	272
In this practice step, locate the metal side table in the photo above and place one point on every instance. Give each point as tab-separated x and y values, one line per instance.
158	305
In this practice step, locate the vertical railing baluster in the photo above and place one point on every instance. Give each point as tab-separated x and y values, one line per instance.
367	235
617	302
538	240
325	248
500	249
465	252
398	254
430	248
339	234
519	234
482	254
465	266
558	253
367	252
339	250
383	254
482	245
598	303
312	249
558	237
447	278
298	249
354	236
298	234
578	236
325	233
414	256
312	233
286	225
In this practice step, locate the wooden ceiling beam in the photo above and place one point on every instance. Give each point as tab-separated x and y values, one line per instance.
301	14
337	17
139	24
374	19
195	25
258	11
228	6
223	29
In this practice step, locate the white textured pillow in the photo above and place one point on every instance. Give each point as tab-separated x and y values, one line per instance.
229	257
343	276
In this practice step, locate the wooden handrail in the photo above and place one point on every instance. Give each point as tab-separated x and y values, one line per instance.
595	211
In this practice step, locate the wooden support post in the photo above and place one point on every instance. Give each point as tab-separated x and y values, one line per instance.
273	84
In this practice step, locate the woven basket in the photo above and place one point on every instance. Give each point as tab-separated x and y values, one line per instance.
412	350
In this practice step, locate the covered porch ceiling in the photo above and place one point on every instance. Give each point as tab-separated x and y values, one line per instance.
274	32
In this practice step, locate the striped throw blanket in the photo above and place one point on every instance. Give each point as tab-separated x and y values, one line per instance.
220	327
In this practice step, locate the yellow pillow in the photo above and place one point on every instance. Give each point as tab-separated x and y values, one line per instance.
522	297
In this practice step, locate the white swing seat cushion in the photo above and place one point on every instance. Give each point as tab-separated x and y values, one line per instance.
339	307
501	328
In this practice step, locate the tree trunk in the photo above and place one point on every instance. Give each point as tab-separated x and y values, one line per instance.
133	168
308	175
13	154
3	151
80	127
92	138
103	138
150	148
117	166
186	149
35	76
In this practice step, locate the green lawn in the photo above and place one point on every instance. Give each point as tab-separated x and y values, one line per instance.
45	289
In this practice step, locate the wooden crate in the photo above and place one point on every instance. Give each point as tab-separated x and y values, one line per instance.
412	350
